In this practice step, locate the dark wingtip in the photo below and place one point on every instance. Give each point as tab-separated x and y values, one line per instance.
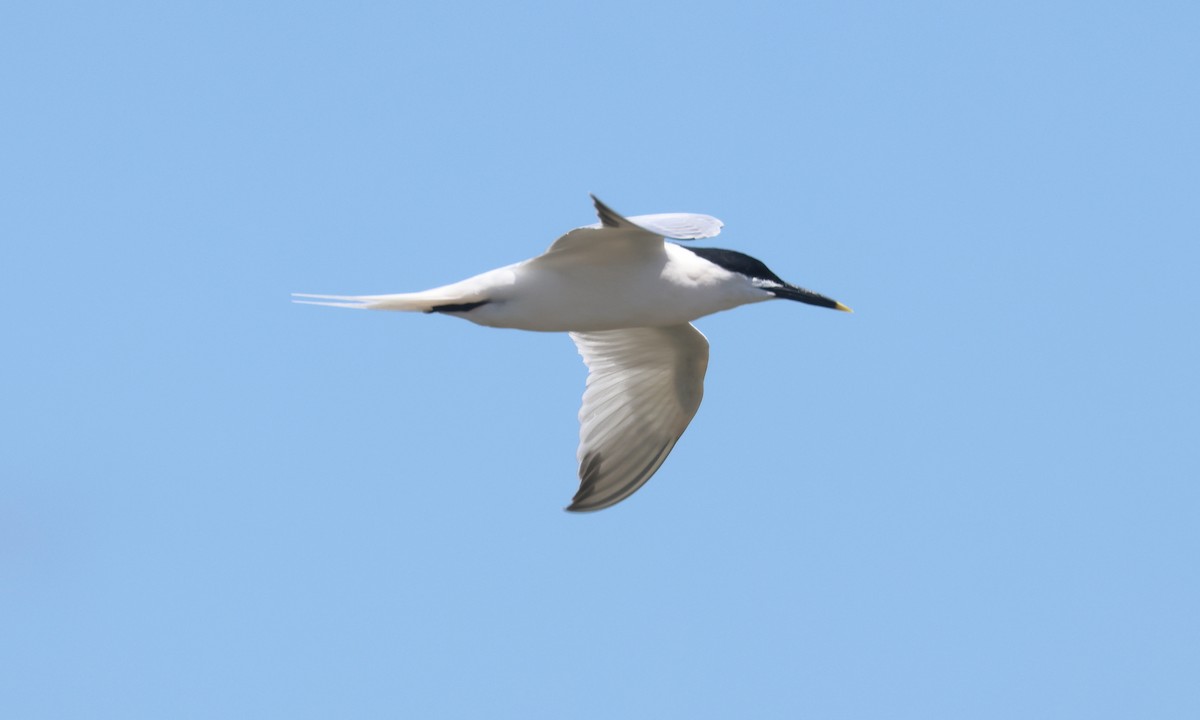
589	472
580	505
608	216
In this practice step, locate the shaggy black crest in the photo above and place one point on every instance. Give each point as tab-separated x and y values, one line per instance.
737	262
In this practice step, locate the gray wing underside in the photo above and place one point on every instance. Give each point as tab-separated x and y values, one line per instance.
646	228
644	387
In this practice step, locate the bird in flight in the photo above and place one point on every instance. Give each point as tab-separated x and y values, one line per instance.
627	298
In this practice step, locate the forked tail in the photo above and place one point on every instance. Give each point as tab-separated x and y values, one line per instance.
358	302
459	296
428	301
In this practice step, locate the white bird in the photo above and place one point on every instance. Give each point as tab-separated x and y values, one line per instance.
627	298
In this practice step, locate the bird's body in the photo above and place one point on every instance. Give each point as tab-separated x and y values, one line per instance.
596	287
627	298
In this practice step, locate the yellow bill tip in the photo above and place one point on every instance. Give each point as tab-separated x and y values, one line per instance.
843	308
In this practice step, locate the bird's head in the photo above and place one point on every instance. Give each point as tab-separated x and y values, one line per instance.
762	277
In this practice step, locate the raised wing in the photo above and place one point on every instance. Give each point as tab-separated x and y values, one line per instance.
647	228
643	388
679	226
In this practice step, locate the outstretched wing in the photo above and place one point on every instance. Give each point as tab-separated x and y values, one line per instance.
647	228
643	388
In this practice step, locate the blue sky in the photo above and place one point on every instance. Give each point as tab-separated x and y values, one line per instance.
975	497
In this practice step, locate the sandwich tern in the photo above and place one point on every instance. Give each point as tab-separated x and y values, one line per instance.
627	298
